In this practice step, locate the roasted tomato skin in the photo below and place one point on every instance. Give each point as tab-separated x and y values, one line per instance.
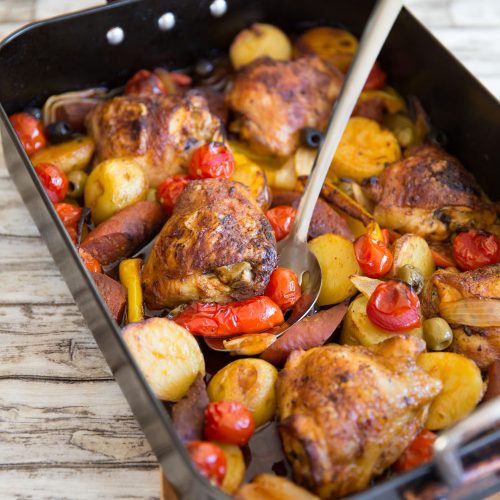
54	181
69	215
212	161
223	320
145	83
30	132
283	288
169	191
418	452
376	79
394	306
474	249
374	258
210	460
228	422
282	219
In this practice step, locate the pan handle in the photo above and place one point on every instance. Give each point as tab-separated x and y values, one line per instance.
447	444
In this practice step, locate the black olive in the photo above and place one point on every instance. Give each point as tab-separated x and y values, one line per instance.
204	68
311	137
58	132
36	112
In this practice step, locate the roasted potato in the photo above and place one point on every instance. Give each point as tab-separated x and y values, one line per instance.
413	250
364	150
359	330
336	258
334	46
251	175
235	471
70	155
462	387
251	382
113	185
113	293
267	486
260	40
168	355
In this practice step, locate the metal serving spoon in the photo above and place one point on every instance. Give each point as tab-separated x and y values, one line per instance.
293	251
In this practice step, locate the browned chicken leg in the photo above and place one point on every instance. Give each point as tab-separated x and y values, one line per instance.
429	193
218	246
159	131
348	412
275	99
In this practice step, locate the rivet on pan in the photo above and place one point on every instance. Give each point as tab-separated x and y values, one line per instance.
218	8
115	35
166	21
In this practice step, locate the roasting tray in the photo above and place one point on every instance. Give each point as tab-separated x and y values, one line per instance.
80	50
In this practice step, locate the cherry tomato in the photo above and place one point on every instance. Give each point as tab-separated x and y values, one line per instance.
91	263
247	316
228	422
394	306
283	288
442	260
387	237
54	181
145	83
30	132
169	191
210	460
281	218
69	215
374	258
211	161
475	249
418	452
376	78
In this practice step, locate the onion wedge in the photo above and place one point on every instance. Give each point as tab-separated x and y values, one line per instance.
364	284
482	313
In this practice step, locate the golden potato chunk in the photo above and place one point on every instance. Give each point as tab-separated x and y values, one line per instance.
235	472
413	250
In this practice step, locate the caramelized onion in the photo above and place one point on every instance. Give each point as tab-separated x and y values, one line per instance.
364	284
481	313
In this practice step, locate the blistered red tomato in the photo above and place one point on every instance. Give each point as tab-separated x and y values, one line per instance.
210	460
54	181
376	79
282	219
283	288
394	306
69	215
246	316
91	263
418	452
374	258
228	422
169	191
30	132
475	249
145	83
211	161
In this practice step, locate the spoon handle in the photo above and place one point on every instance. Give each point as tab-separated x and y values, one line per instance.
374	35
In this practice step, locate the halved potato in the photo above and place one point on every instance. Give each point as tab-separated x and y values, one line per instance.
270	487
336	258
333	45
359	330
235	470
364	150
413	250
251	382
167	354
259	40
462	387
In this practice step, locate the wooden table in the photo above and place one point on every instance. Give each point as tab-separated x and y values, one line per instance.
65	429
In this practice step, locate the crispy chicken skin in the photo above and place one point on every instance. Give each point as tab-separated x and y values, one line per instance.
275	99
159	131
481	345
218	246
348	412
429	193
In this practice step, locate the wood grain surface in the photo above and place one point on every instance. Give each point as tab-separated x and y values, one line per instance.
66	432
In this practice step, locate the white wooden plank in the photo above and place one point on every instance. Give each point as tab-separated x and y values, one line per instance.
474	13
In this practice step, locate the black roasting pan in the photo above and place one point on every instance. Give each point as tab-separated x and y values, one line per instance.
73	52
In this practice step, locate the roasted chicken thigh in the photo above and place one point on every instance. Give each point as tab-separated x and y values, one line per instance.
346	413
218	246
429	193
273	100
159	131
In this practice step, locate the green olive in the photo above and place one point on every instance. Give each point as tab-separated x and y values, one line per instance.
151	196
402	127
412	277
437	334
76	183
